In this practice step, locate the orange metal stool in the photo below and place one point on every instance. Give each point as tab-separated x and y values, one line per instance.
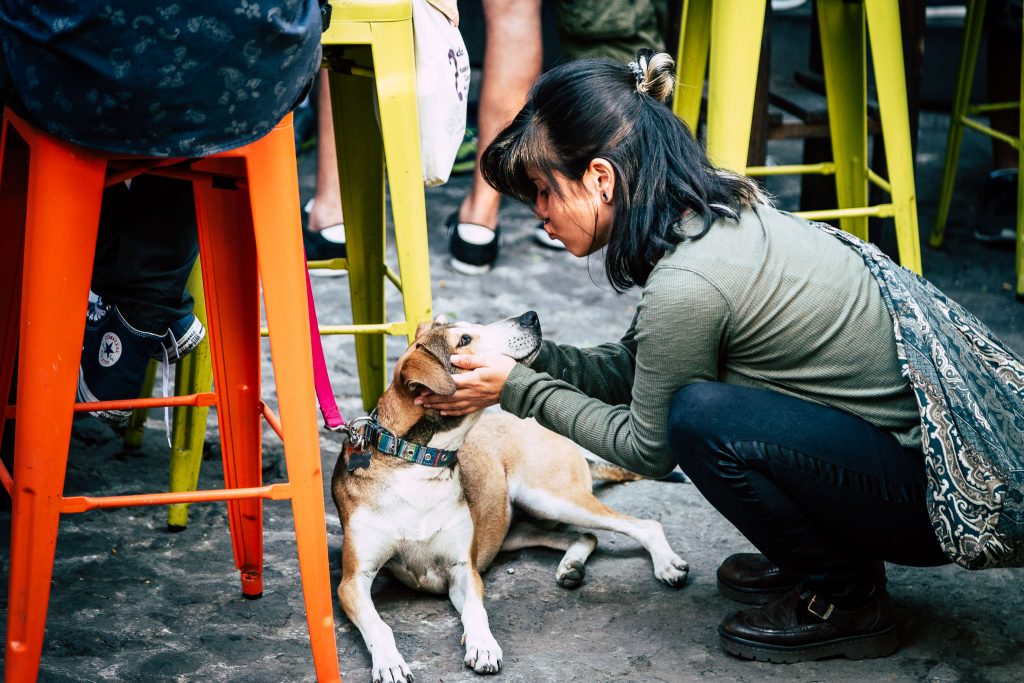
247	207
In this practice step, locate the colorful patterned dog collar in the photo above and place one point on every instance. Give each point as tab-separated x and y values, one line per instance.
386	442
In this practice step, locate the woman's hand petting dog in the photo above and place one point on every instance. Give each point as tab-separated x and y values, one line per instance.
480	386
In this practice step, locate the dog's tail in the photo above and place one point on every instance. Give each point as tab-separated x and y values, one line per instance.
602	470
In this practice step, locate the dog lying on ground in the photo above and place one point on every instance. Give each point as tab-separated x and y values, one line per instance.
436	519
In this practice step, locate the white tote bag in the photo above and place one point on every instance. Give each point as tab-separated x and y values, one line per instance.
442	90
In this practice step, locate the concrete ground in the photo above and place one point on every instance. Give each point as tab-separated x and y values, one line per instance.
132	602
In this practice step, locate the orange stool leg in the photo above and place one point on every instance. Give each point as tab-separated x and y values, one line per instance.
274	193
228	258
59	244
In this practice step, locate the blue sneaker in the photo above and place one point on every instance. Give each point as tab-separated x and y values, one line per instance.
181	339
114	360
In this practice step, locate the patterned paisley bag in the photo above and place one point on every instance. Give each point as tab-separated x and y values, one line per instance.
970	393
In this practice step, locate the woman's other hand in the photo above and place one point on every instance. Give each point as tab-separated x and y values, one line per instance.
480	386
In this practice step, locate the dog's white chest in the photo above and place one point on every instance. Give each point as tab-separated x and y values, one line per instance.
422	523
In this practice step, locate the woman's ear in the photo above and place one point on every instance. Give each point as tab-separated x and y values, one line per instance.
600	179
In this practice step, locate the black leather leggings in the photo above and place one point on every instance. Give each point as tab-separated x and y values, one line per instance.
822	493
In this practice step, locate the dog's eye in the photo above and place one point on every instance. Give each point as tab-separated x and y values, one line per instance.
464	340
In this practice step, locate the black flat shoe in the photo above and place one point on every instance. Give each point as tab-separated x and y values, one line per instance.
801	627
469	258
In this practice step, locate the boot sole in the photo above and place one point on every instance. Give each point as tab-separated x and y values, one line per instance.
867	646
751	597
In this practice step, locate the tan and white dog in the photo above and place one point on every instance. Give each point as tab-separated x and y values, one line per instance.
437	528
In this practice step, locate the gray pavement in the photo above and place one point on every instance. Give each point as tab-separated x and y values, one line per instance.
131	602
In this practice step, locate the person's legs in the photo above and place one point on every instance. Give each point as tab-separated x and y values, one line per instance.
147	246
512	59
324	234
822	493
145	252
825	496
325	211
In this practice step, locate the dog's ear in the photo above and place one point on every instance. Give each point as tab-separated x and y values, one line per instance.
422	368
422	328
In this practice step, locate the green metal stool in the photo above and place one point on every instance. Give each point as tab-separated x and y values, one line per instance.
963	113
731	31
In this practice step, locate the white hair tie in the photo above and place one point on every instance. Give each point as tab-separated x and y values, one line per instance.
639	69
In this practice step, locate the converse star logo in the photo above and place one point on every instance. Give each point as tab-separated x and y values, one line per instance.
110	349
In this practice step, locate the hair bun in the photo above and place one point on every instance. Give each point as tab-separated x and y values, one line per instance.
655	73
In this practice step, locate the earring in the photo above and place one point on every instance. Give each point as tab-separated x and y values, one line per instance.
604	196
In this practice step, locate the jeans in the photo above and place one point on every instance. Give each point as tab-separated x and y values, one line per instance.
145	251
823	494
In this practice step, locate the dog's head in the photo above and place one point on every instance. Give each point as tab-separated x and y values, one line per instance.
426	364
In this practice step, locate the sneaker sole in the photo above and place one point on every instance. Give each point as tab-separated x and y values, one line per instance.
1003	237
115	418
751	597
868	646
328	272
186	345
469	268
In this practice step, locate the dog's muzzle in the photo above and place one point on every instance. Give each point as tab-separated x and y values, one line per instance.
526	342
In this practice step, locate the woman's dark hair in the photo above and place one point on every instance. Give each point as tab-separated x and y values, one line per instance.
594	108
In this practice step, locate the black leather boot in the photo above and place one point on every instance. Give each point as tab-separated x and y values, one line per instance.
801	627
752	579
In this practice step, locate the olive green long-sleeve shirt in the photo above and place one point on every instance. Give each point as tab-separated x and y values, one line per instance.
767	302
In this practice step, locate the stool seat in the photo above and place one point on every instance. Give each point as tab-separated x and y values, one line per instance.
364	11
247	212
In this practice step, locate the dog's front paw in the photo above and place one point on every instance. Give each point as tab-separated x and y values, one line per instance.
673	570
391	669
483	654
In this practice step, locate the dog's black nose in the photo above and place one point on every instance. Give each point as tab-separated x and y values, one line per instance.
529	319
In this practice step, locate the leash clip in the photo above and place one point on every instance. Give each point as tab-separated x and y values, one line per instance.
358	450
355	432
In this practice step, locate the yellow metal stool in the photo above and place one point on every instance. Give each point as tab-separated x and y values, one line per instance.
730	30
962	115
194	374
369	54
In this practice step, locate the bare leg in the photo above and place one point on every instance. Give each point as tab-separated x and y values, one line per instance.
326	210
512	61
466	592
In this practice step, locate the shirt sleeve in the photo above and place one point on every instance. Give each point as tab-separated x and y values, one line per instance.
679	331
603	372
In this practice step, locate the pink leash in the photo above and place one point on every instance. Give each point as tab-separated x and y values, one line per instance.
324	393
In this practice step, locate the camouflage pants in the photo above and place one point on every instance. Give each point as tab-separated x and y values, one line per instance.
611	28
